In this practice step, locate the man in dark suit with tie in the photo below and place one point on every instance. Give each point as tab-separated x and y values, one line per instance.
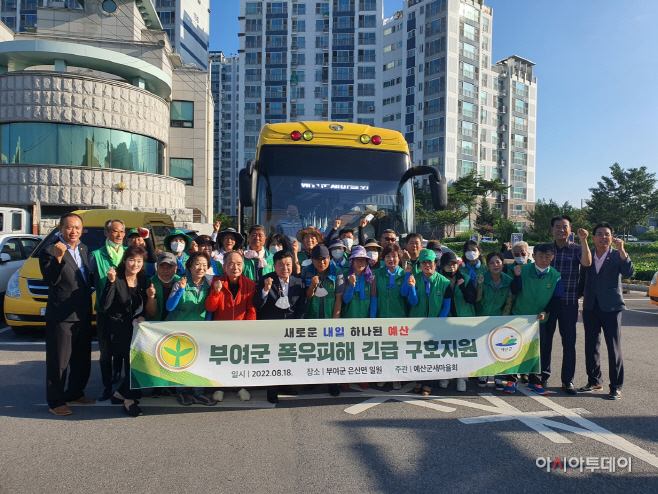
602	306
65	269
280	295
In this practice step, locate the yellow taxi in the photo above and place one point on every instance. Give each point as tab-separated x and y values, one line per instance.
27	293
653	289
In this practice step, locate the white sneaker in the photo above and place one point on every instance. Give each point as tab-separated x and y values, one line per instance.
499	384
218	395
443	383
381	385
397	385
461	385
482	381
244	395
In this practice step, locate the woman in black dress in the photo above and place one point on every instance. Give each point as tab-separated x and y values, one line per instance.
125	297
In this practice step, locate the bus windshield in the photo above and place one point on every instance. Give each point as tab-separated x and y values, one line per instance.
328	183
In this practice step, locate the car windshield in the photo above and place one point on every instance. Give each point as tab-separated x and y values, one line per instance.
318	185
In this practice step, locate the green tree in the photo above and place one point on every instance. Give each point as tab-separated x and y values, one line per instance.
224	220
468	188
446	220
625	199
486	218
504	228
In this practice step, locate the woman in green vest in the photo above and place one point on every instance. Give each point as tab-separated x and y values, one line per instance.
390	300
427	293
473	262
325	285
179	243
360	297
494	298
187	302
464	293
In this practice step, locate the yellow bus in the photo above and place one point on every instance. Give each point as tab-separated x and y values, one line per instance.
332	170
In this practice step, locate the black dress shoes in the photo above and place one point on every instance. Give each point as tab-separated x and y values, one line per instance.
272	395
569	388
105	395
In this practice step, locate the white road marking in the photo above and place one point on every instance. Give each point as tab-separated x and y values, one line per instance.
643	312
4	329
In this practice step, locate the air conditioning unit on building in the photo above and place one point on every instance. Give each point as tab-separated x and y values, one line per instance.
371	109
502	109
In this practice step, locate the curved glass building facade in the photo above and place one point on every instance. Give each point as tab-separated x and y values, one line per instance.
79	145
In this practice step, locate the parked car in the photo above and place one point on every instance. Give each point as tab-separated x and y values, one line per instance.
653	289
629	238
25	302
488	240
15	248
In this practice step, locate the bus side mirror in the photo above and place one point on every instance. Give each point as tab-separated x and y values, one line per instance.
247	184
439	190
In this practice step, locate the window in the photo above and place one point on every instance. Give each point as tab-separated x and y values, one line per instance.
436	46
520	124
342	107
367	21
465	167
366	56
435	27
520	158
435	105
253	8
521	89
468	109
365	107
468	129
485	24
368	5
520	141
468	70
366	89
182	114
29	244
299	9
434	125
250	142
182	168
434	145
469	32
467	50
469	12
467	89
435	86
519	193
366	72
520	106
435	66
367	38
467	147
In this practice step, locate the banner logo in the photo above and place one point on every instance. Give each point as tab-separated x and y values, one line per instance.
177	351
505	343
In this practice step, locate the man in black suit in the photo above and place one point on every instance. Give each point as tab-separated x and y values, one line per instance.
65	268
280	295
602	306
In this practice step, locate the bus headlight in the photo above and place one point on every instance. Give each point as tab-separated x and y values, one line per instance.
13	289
654	280
365	138
308	135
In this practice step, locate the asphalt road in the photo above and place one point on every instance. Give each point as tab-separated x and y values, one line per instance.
374	441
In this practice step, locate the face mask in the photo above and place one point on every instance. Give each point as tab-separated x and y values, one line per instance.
520	260
177	247
321	292
275	248
348	243
113	245
541	271
373	255
282	303
166	281
307	262
471	255
337	254
449	275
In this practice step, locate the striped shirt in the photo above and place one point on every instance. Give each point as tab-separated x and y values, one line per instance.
567	263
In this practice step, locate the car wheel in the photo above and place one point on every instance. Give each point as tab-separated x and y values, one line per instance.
22	330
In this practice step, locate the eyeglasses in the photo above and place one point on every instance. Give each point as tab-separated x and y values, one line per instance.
388	239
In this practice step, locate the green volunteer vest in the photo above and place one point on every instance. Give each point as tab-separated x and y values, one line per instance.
466	272
429	306
389	301
415	266
313	304
492	302
535	293
249	269
103	264
159	297
463	308
192	305
357	307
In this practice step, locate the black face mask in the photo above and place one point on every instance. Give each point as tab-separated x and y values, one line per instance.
450	275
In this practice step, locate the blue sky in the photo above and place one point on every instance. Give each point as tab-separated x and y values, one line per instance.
596	67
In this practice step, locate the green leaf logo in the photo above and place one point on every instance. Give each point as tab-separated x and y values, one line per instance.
177	351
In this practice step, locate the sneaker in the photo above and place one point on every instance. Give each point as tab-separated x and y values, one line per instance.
511	387
381	385
524	378
184	399
615	395
461	385
244	395
443	383
590	387
499	384
218	395
397	385
482	381
537	388
334	390
156	393
204	400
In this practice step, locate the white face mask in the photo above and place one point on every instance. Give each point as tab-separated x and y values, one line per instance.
539	270
471	255
321	292
520	260
337	254
282	303
348	243
166	282
177	247
307	262
275	248
373	255
113	245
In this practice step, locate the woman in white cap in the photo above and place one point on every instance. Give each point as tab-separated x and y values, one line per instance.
338	253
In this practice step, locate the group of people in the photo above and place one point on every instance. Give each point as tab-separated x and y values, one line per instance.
216	277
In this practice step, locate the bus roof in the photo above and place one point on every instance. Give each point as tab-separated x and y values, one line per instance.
132	219
325	133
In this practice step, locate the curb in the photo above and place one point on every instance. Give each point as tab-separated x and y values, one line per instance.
635	288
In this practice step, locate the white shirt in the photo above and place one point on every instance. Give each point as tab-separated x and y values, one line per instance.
598	263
